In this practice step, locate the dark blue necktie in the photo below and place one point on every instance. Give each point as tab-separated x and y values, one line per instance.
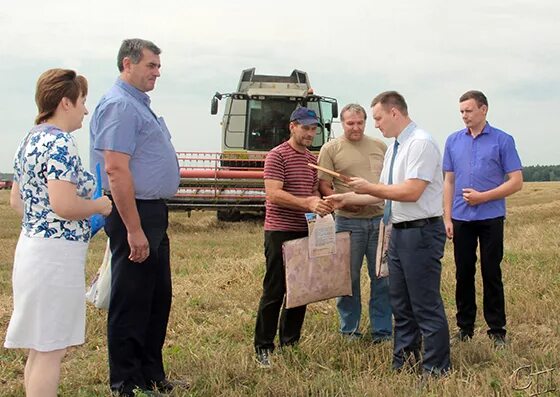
388	203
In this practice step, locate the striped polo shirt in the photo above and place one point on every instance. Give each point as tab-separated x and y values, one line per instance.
287	165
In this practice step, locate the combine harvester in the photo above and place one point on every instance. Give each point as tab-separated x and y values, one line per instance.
256	119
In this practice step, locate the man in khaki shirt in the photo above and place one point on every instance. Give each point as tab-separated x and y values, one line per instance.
357	155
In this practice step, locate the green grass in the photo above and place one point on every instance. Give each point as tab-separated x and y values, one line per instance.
217	278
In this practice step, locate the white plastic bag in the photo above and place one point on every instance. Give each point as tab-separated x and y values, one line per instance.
99	293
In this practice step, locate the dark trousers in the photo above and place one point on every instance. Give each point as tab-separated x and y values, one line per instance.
414	287
466	237
140	301
272	299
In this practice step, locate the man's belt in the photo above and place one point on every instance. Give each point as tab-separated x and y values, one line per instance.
416	223
108	194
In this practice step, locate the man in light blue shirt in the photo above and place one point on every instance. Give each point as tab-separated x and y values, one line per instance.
476	161
134	148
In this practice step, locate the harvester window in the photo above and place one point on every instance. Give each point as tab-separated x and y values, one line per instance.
268	123
319	139
234	123
269	120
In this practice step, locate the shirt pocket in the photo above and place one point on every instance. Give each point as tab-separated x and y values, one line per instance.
151	135
164	128
489	163
375	165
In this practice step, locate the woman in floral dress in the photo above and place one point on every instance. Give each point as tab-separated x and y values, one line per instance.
51	192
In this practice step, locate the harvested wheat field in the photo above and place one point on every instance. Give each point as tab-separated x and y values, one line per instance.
217	274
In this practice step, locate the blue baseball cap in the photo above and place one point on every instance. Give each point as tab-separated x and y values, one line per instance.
305	116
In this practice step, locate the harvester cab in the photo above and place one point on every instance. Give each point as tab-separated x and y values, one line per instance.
257	115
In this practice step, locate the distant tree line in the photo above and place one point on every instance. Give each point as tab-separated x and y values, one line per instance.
541	173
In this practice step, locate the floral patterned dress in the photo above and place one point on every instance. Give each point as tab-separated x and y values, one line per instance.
48	275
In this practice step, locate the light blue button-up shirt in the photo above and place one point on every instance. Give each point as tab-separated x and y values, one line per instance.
123	122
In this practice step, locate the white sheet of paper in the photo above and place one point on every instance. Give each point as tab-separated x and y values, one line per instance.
322	235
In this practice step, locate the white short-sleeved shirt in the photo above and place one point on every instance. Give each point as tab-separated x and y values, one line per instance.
418	157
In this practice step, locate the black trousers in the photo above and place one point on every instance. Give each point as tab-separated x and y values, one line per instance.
414	258
272	299
466	237
140	301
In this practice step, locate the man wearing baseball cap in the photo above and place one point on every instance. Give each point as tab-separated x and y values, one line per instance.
305	116
292	189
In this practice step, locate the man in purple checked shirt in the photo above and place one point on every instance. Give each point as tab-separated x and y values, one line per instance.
476	161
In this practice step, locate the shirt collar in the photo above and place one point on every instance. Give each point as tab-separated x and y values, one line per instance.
135	92
486	130
405	134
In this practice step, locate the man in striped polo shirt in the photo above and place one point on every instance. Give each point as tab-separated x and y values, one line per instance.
292	189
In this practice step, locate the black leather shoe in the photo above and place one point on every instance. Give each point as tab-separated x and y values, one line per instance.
137	393
499	341
464	335
148	393
263	358
167	385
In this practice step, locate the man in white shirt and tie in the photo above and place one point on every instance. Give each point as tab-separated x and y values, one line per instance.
412	184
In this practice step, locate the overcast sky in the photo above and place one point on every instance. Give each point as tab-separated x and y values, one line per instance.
430	51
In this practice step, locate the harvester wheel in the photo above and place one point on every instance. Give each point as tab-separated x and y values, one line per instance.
229	215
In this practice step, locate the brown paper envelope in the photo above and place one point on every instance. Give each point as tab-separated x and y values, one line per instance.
315	279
